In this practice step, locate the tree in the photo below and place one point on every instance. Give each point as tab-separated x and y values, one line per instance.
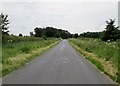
31	34
51	32
38	32
75	35
4	23
92	34
65	34
4	27
20	34
57	35
111	31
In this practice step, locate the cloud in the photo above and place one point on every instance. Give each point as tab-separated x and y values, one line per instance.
72	16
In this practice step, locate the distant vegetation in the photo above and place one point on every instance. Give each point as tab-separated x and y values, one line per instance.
111	32
39	32
51	32
92	35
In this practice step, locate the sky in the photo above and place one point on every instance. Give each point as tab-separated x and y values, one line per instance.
74	16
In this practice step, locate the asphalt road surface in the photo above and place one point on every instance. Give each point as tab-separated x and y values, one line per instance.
59	65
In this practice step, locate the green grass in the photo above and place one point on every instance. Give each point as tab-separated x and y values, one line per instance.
97	63
100	53
17	54
12	49
0	61
119	60
102	49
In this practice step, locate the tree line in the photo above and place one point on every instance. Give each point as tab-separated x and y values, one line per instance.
51	32
111	31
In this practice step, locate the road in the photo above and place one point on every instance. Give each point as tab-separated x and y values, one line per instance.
61	64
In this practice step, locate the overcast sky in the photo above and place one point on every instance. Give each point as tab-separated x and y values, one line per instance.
76	17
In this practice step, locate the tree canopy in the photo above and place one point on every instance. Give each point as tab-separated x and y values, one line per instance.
92	34
51	32
75	35
20	34
111	31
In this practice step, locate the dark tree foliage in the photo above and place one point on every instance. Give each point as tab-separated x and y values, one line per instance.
92	34
31	34
20	34
57	35
51	32
75	35
111	31
4	23
65	34
38	32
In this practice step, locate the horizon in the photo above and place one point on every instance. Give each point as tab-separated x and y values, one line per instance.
76	17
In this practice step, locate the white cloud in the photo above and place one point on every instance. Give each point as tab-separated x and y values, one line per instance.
72	16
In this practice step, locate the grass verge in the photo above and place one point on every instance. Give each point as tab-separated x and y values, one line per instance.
24	53
106	66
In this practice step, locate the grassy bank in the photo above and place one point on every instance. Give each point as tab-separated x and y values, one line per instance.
0	60
104	55
17	54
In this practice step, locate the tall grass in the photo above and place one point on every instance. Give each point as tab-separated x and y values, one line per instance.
109	51
104	53
16	54
12	49
0	54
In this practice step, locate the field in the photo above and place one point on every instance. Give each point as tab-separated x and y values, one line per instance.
103	54
21	51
